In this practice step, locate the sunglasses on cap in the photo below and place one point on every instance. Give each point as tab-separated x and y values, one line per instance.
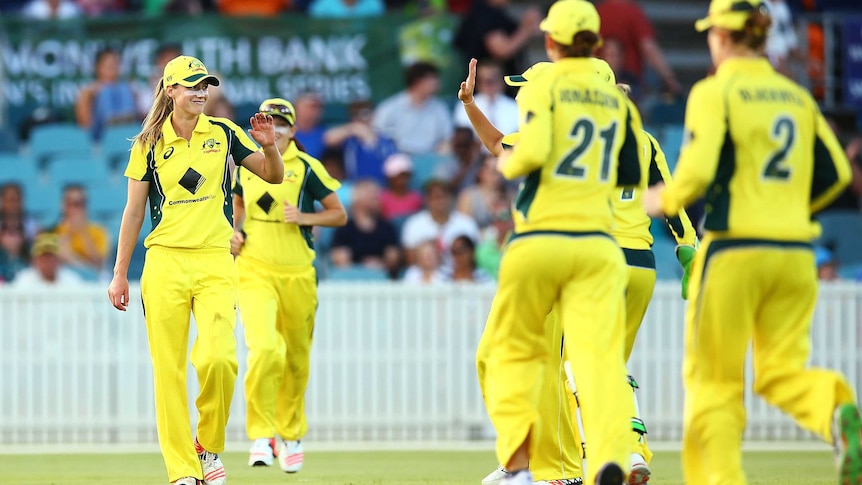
272	109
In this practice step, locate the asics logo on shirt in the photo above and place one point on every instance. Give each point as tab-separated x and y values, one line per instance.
168	153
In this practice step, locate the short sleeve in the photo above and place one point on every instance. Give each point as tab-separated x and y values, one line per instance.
242	145
320	184
138	167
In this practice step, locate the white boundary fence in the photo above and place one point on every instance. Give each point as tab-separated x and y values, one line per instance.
390	363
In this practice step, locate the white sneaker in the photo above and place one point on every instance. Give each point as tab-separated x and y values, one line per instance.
496	476
523	477
290	456
213	469
562	481
640	472
262	452
186	481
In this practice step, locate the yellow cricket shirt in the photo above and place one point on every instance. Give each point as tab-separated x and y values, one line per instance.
760	150
577	144
189	200
632	229
268	238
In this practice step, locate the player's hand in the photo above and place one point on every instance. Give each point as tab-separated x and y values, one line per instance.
236	242
465	94
685	255
262	129
118	292
292	214
652	200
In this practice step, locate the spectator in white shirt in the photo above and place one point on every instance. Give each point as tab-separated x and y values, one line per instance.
438	222
417	121
47	270
426	270
501	110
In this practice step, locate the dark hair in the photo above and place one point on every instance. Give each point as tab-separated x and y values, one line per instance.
102	53
419	71
753	33
583	44
437	183
12	185
471	246
166	48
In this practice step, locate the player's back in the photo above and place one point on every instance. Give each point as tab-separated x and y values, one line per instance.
763	182
577	144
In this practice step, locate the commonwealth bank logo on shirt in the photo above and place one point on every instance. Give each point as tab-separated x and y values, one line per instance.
266	202
192	180
211	146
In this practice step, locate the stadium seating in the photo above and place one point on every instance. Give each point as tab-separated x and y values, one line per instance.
74	168
115	144
671	142
425	168
842	232
14	168
50	140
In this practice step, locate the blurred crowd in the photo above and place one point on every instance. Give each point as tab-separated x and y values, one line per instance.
425	200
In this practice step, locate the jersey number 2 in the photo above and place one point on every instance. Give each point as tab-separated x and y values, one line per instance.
584	130
783	131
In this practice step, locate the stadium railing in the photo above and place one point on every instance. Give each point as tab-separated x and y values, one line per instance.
390	363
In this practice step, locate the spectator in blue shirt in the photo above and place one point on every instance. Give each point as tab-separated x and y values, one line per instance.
364	149
107	100
309	130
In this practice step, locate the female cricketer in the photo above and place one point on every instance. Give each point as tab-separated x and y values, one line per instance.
179	168
578	142
631	230
762	154
278	288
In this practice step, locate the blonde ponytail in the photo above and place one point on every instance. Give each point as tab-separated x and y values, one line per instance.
163	105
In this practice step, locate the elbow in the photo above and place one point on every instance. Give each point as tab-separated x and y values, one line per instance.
276	175
341	218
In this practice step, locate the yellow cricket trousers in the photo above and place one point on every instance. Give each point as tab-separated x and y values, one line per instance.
558	452
277	306
585	274
761	292
174	283
639	289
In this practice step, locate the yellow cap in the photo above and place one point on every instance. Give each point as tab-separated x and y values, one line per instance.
603	69
278	107
729	14
531	73
568	17
187	71
45	243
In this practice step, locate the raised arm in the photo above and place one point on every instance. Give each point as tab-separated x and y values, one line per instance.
267	164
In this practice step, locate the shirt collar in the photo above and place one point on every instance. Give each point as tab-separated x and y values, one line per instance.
170	135
291	152
574	64
750	65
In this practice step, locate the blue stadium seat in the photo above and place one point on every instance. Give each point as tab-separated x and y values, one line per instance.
667	266
851	272
671	142
48	141
107	200
323	239
42	201
74	168
115	144
8	141
424	168
14	168
356	273
842	231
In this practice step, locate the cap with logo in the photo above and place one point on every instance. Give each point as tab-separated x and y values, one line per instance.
569	17
187	71
278	107
602	68
45	243
729	14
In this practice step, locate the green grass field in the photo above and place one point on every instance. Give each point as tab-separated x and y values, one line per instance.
372	468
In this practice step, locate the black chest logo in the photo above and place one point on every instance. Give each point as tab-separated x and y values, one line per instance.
168	153
266	202
192	180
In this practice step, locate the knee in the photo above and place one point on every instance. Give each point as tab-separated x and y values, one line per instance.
217	361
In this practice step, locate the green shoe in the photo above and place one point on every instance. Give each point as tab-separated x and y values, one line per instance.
847	435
